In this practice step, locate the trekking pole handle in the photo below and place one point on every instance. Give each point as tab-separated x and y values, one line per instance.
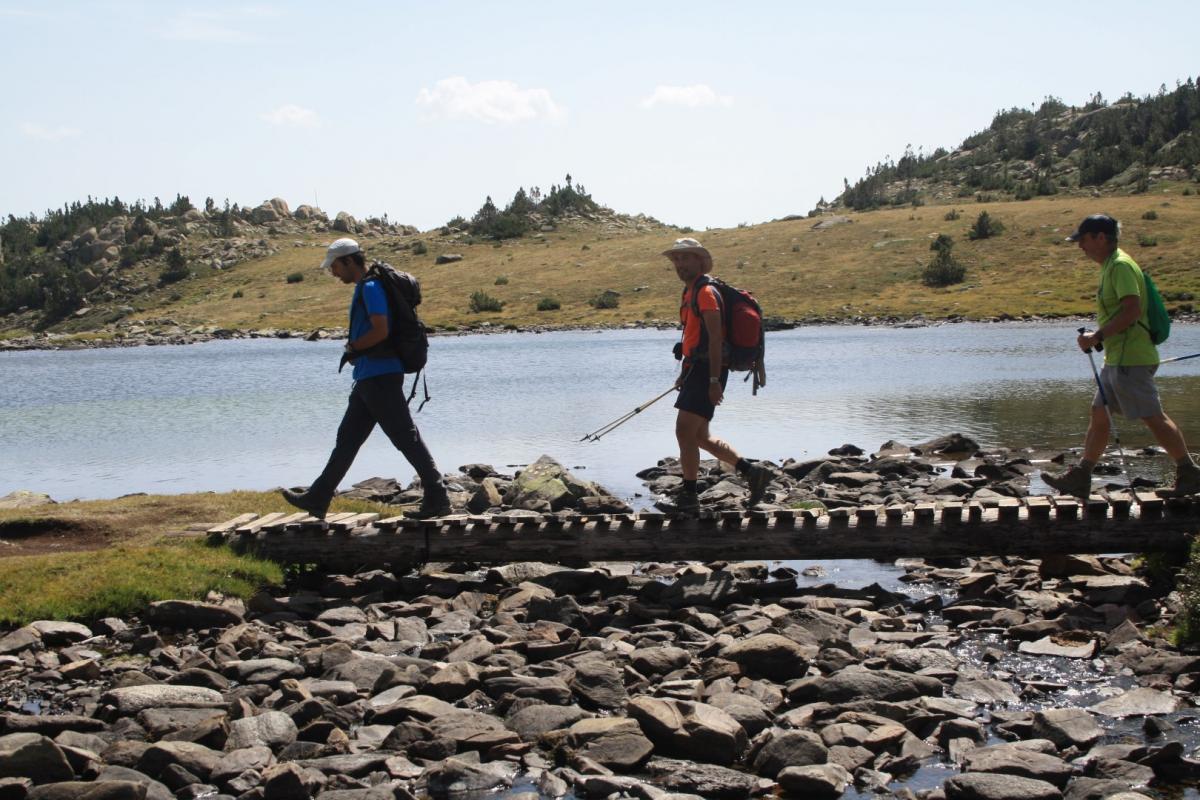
1099	345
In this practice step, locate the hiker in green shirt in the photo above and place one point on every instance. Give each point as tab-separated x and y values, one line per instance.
1130	361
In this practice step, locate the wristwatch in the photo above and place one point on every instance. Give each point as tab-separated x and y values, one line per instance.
714	380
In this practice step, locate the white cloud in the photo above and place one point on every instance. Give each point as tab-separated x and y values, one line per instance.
696	96
45	134
488	101
293	116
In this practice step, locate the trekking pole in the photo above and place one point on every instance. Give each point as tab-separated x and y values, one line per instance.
1112	426
604	430
1178	358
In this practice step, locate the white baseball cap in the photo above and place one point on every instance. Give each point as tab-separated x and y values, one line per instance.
340	247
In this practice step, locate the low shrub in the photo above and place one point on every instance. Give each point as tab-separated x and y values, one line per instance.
548	304
238	294
952	215
295	277
501	280
1146	240
606	299
419	248
482	301
176	268
985	227
944	269
1151	214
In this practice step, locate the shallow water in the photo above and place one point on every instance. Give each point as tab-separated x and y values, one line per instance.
254	414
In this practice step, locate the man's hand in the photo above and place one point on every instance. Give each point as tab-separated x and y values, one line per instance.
715	394
683	373
1088	341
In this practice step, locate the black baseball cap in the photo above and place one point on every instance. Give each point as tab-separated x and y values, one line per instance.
1096	223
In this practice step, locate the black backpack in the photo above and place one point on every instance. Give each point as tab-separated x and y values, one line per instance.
408	338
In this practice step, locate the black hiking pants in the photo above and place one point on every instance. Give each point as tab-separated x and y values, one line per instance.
379	400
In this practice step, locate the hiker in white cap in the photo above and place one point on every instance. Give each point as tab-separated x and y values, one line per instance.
702	377
377	396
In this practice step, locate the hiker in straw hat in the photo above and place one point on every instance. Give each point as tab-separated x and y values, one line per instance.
702	377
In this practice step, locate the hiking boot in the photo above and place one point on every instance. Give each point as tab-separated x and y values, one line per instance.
1075	481
431	508
1187	480
758	478
687	504
305	502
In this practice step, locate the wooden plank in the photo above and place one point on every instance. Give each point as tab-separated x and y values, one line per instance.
341	515
839	517
894	515
952	513
731	520
390	523
353	521
1120	503
1149	504
1009	509
1065	508
281	523
923	513
255	525
1039	508
1097	508
866	516
974	512
236	522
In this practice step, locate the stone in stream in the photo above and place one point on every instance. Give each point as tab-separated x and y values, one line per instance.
1138	702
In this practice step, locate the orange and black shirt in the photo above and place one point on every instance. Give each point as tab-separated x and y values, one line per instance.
693	325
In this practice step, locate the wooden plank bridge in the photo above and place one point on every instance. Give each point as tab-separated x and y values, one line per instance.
1032	527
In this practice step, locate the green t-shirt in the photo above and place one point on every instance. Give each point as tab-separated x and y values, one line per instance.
1120	276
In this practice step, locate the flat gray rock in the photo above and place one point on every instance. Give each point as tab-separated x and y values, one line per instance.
990	786
1138	702
132	700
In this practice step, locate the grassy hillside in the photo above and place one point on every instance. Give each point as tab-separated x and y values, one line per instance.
869	266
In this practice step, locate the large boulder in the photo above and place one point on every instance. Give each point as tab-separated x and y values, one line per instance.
307	212
264	214
542	484
990	786
31	755
690	730
345	223
790	749
768	655
615	742
23	498
189	614
131	700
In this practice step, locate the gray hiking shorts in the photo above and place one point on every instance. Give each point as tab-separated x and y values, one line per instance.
1130	391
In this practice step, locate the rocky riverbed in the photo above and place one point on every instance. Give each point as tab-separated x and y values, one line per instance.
980	678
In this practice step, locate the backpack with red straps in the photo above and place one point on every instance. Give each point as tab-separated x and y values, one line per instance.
744	343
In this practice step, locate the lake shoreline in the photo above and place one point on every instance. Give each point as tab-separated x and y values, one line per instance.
174	335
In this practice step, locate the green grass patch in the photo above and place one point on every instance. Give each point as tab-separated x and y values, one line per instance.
123	580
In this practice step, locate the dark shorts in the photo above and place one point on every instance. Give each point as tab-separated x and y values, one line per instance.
693	395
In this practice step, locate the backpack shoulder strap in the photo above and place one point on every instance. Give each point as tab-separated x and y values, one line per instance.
701	282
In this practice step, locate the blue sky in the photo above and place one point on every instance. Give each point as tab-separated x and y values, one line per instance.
701	114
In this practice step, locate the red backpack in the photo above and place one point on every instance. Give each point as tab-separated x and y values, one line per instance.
741	327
